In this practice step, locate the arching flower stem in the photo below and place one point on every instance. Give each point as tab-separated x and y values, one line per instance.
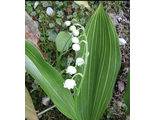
84	71
77	74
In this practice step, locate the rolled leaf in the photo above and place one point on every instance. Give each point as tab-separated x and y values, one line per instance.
127	92
103	66
50	80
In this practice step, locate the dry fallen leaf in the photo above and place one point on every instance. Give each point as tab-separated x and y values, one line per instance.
69	10
32	33
121	86
85	3
113	19
30	111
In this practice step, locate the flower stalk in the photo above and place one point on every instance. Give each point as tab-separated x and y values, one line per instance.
84	71
77	74
80	85
79	62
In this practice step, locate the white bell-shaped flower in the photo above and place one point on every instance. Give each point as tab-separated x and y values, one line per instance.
75	40
69	83
49	11
79	61
72	28
71	70
76	47
36	4
75	32
67	23
122	41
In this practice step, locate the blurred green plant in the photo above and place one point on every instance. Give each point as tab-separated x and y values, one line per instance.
75	6
59	21
60	13
45	4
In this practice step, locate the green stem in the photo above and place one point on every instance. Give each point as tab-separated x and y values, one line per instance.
80	36
76	88
34	89
62	53
81	27
74	20
84	67
77	74
82	41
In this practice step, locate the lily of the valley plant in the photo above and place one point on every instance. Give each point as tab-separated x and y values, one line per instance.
92	77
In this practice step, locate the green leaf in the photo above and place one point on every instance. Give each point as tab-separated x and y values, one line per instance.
28	9
63	41
59	21
102	67
52	36
127	92
63	62
49	80
29	3
30	112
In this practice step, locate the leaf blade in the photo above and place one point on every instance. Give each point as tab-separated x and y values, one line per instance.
50	80
102	68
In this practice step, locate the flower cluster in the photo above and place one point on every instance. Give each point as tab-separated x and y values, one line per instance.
70	83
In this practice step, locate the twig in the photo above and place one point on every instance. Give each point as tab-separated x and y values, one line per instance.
46	110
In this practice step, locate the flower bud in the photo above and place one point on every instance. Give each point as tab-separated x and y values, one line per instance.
76	47
79	61
122	41
49	11
75	32
69	83
72	28
67	23
71	70
75	40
